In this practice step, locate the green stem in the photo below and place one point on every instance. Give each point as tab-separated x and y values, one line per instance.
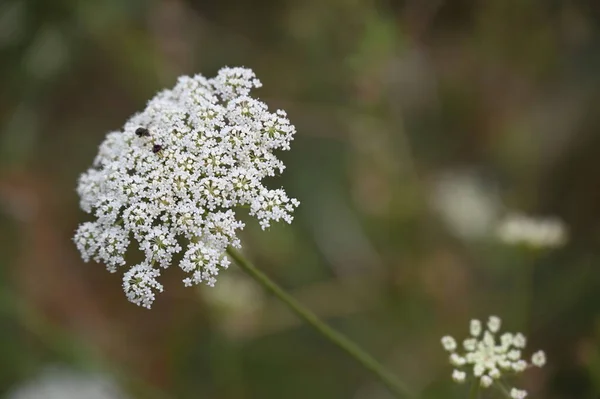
398	388
502	388
526	285
474	391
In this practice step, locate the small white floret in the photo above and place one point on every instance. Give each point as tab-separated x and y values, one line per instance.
448	343
475	327
459	376
457	360
518	393
486	381
519	340
494	323
538	359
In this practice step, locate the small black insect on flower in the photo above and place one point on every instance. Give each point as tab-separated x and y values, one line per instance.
156	148
142	132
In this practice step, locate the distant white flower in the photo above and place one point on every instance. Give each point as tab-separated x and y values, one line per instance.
517	229
61	383
172	180
489	358
237	302
465	203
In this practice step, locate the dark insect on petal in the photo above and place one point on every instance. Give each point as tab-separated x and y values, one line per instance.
156	148
142	132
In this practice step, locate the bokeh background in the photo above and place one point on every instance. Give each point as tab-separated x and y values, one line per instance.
420	123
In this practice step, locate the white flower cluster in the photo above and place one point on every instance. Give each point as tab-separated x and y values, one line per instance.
172	178
517	229
488	358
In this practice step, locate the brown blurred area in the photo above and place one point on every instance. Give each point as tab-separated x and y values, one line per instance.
419	125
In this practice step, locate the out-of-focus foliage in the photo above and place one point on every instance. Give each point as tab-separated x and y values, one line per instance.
420	123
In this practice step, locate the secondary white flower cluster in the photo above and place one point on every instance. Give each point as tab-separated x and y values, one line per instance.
57	382
489	359
517	229
172	178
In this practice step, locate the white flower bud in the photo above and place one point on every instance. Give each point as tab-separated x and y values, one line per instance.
478	370
519	365
538	359
506	340
519	340
459	376
449	343
493	324
470	344
457	360
514	354
518	393
495	373
475	327
486	381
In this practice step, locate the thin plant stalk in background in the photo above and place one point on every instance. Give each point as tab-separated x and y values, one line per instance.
531	236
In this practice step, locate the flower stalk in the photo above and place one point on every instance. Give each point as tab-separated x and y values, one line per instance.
474	392
395	386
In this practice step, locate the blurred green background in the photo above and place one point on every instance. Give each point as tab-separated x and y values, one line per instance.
419	124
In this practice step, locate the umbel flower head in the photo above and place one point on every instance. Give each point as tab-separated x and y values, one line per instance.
488	359
172	179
